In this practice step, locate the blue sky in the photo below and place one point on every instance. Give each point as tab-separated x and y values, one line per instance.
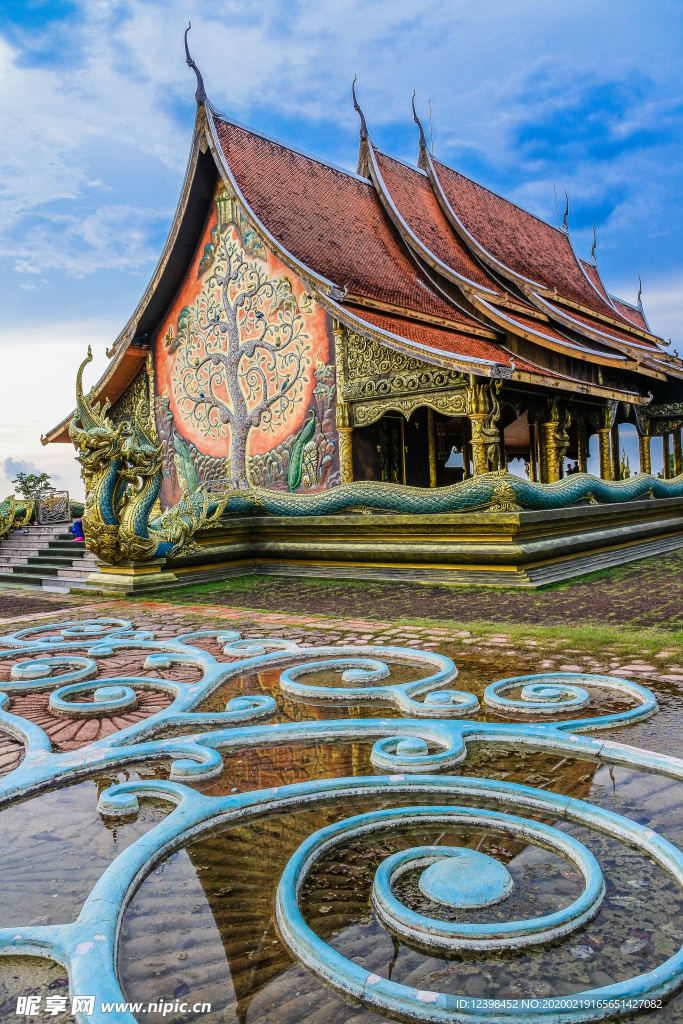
96	108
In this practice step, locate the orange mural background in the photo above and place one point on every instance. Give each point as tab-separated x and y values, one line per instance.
211	372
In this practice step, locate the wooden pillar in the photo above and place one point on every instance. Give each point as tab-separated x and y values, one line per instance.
344	427
678	453
667	452
583	445
605	460
533	472
431	437
644	447
616	474
502	453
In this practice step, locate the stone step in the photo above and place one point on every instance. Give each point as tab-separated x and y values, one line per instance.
35	538
37	543
49	557
26	579
46	557
76	572
36	558
61	529
33	570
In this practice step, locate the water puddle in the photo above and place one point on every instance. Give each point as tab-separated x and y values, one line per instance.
201	929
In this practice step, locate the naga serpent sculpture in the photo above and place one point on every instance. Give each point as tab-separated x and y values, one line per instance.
15	513
122	467
117	523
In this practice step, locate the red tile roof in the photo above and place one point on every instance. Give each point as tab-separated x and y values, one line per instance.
438	338
518	240
607	330
539	328
634	315
593	274
414	198
331	221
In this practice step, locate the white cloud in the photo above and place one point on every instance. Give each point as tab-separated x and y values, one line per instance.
489	67
663	304
40	366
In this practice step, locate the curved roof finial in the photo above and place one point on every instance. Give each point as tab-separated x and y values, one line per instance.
416	119
363	125
640	291
200	94
565	225
594	245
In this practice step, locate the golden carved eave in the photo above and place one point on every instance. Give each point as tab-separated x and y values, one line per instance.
450	403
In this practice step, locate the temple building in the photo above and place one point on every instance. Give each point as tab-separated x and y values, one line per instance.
307	326
318	343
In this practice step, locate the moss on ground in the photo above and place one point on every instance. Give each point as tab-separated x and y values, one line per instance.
640	595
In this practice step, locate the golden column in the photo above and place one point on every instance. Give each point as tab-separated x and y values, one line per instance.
483	434
431	437
550	469
554	441
678	453
616	462
604	439
644	448
667	452
583	445
344	428
605	454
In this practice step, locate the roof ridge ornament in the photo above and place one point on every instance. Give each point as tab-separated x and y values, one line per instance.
200	94
594	246
640	293
416	119
565	225
363	126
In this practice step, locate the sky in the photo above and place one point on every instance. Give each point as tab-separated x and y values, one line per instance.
96	113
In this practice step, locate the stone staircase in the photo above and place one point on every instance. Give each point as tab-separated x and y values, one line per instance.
46	557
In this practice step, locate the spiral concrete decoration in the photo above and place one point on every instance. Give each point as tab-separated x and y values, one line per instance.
445	899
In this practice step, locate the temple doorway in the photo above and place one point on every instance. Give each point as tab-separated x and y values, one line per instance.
392	450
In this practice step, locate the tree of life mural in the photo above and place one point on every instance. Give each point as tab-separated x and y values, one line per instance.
243	359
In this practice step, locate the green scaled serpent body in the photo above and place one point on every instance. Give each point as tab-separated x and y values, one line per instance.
495	492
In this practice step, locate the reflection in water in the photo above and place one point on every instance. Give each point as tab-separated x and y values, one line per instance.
201	925
217	896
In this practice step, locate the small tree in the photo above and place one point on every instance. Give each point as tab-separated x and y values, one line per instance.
245	353
31	485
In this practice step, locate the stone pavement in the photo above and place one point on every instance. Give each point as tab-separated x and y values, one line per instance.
536	655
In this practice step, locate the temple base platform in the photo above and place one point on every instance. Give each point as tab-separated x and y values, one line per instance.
503	549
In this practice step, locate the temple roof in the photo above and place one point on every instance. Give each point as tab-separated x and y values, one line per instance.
422	258
537	252
633	313
413	196
330	221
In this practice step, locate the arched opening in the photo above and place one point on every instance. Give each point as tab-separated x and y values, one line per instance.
393	449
